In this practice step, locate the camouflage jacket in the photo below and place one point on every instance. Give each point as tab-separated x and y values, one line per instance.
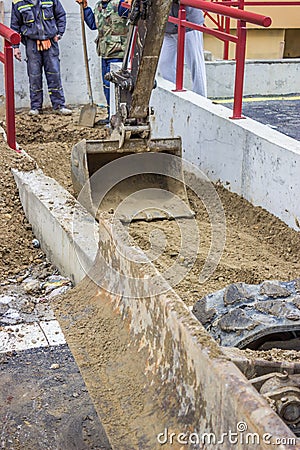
112	30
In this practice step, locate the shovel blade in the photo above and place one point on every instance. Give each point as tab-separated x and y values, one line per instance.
87	116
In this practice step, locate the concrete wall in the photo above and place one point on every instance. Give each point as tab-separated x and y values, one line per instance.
279	77
262	43
251	159
72	63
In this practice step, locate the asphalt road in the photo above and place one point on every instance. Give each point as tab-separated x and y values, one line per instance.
44	404
282	114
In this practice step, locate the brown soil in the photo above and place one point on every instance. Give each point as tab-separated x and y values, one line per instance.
258	247
16	249
275	354
49	139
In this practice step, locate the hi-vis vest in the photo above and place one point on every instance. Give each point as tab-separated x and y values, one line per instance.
42	20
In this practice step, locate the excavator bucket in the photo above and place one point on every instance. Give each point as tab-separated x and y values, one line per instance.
142	180
133	176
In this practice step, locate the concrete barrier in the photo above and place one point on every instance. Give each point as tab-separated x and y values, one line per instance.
50	210
189	392
247	157
262	77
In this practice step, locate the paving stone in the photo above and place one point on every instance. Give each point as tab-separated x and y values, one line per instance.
53	332
21	337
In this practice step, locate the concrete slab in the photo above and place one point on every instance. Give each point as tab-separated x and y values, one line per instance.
25	336
21	337
52	332
50	209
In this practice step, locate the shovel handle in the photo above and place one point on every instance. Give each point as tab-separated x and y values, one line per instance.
85	54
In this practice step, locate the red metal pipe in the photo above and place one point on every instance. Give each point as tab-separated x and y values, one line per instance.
10	96
247	16
7	58
239	70
226	43
9	35
263	3
266	3
180	50
219	34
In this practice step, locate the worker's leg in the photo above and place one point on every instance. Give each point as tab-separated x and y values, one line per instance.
106	63
105	69
167	59
34	70
194	57
52	71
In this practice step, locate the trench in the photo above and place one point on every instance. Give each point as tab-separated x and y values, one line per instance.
258	245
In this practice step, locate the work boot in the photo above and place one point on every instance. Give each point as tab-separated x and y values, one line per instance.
63	111
34	112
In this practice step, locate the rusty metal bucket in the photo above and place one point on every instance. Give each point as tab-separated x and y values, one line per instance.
142	180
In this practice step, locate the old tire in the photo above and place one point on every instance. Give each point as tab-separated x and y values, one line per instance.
243	315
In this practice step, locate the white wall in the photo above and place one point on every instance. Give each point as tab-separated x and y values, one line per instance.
278	77
72	63
249	158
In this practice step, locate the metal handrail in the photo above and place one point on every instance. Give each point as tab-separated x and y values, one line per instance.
223	10
240	40
224	25
7	58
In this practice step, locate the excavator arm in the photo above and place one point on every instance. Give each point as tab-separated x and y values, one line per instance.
136	79
156	190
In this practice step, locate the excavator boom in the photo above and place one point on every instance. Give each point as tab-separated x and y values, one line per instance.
157	189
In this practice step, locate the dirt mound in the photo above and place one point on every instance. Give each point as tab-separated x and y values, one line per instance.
258	247
48	139
16	248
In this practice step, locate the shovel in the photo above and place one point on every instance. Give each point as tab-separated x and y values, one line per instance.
88	112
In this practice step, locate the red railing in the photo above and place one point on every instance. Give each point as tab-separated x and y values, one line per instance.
240	40
223	24
7	58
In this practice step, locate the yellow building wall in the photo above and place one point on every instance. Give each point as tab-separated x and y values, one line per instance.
281	39
261	44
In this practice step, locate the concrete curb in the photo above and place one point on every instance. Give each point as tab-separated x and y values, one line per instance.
50	210
200	390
